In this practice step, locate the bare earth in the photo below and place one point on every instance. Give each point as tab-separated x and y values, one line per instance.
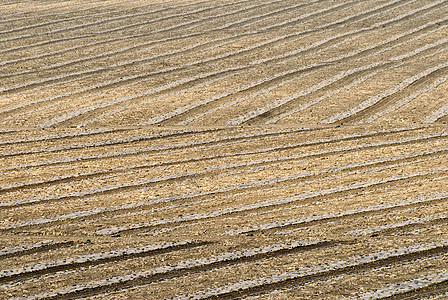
224	149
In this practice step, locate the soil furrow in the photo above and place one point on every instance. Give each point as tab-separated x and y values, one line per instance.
318	45
371	261
17	251
187	267
125	17
322	219
94	259
391	98
303	178
306	197
247	163
116	141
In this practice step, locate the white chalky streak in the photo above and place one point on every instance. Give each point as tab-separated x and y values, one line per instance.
406	100
182	265
403	287
259	111
398	225
315	270
439	113
26	247
4	274
270	203
378	207
375	99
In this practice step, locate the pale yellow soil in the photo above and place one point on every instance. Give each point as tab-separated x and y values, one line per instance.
258	150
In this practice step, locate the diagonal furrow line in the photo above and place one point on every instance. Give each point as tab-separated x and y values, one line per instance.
185	267
65	96
272	83
352	113
323	97
66	6
14	2
78	91
316	13
279	102
91	57
147	59
253	86
58	136
253	19
195	21
135	46
216	58
309	196
73	76
323	84
352	33
167	87
94	259
183	110
142	35
101	21
363	78
354	264
215	43
78	10
418	288
91	119
423	31
361	211
16	251
348	169
150	43
438	114
110	142
280	105
433	219
242	137
387	99
439	43
302	93
406	100
62	20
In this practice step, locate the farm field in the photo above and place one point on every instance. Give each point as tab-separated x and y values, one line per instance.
223	149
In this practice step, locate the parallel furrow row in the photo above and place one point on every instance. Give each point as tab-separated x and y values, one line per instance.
26	249
358	112
184	268
351	265
225	140
121	141
425	286
211	170
94	259
261	111
278	106
21	105
309	196
124	17
362	211
249	186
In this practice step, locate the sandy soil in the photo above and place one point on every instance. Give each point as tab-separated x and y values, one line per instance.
223	149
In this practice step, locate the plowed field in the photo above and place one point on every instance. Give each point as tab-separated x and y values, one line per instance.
223	149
